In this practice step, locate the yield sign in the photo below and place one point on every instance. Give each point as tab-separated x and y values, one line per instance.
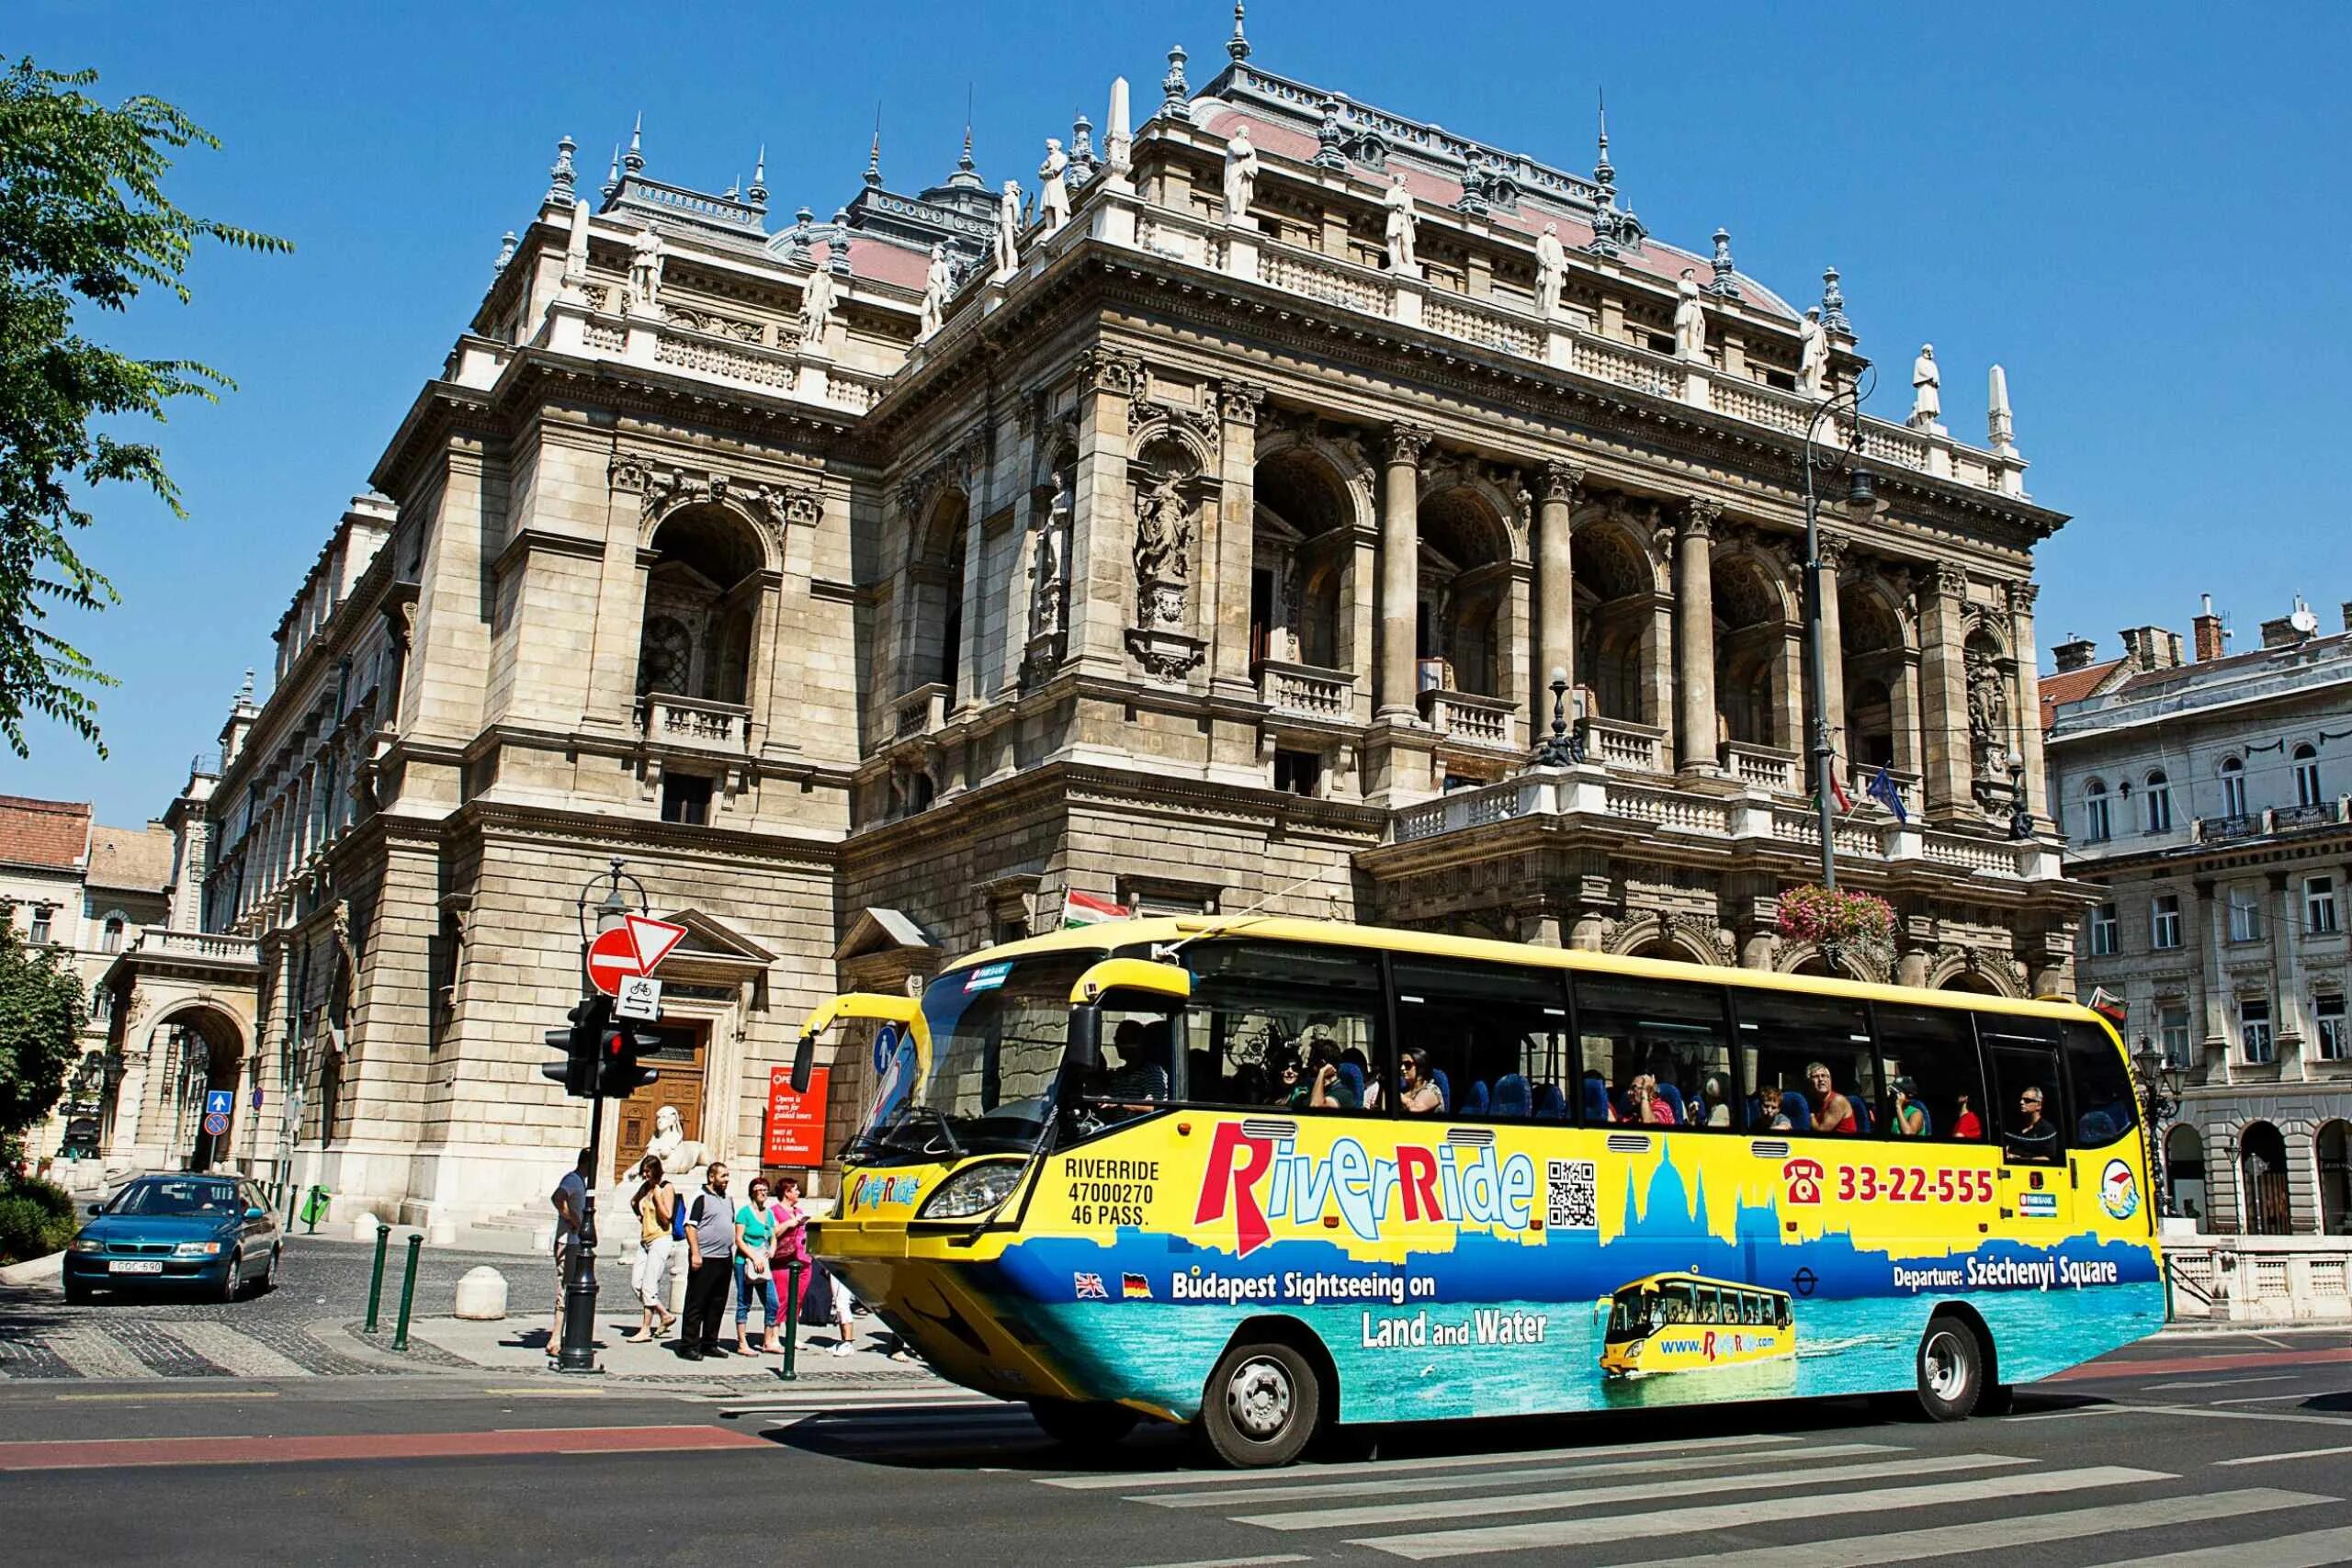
630	949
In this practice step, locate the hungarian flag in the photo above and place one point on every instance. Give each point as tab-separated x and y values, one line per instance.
1086	909
1837	795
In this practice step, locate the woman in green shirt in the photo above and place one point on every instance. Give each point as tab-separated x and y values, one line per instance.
755	1224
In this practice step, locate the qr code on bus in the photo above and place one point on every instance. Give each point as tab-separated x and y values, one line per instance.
1574	1205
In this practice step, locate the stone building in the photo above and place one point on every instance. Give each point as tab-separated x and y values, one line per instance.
2206	799
1200	534
69	882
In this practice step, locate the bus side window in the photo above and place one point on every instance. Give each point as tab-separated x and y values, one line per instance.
1495	1037
1662	1050
1935	1084
1817	1052
2028	1115
2104	1105
1264	1017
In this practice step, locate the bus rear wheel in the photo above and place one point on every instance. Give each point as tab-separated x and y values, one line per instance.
1262	1405
1951	1369
1083	1424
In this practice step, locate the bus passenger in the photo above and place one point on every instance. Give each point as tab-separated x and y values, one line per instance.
2032	1138
1964	1123
1417	1089
1768	1100
1836	1114
1717	1114
1286	1089
1141	1082
1326	1088
1643	1103
1910	1116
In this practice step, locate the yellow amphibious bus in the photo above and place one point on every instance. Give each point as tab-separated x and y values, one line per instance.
1260	1175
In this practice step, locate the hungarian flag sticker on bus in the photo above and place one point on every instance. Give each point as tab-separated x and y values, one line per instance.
1086	909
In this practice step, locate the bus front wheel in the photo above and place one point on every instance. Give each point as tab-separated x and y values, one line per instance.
1083	1424
1263	1405
1951	1369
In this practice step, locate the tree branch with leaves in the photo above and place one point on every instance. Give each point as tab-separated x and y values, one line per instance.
83	221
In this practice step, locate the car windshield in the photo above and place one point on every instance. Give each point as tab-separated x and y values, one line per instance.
997	1033
176	1198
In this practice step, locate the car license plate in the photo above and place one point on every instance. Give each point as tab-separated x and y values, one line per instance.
135	1266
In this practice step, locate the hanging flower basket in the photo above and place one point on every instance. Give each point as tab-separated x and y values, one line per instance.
1832	918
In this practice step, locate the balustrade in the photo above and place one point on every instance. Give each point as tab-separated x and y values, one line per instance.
1763	766
1306	691
697	722
1620	743
924	710
1466	716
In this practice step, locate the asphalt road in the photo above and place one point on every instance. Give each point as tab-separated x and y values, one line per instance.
2234	1451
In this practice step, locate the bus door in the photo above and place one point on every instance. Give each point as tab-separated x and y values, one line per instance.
2026	1120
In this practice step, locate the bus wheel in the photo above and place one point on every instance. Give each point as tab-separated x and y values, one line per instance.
1083	1424
1951	1369
1263	1405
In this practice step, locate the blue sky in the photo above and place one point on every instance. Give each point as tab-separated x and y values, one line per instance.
2137	209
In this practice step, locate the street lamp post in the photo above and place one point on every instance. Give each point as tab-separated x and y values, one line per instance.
2160	1085
1858	493
578	1353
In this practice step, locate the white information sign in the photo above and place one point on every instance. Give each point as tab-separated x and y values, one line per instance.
640	1000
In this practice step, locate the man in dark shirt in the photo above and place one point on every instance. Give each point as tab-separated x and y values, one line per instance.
2033	1137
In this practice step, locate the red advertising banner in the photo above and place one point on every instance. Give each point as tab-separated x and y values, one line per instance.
796	1122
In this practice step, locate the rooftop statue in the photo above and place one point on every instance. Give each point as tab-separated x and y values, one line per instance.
1551	270
1401	226
645	254
1812	355
1053	196
938	283
1240	176
1926	389
1689	319
820	297
1008	230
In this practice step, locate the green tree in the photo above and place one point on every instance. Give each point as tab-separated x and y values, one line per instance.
82	216
42	1009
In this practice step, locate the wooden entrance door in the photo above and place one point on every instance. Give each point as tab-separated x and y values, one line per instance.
678	1069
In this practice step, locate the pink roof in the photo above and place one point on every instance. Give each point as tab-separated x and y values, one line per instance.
1657	259
883	262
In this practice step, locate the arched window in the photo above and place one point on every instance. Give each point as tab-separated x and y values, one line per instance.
2334	1148
2098	826
2232	787
702	598
110	935
2159	802
2185	1170
2307	775
2263	1203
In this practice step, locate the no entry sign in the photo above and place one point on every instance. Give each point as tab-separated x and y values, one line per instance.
632	948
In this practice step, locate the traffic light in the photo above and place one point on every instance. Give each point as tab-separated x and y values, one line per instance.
579	1042
618	1073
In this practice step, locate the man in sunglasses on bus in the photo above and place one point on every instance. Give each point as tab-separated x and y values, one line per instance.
2034	1137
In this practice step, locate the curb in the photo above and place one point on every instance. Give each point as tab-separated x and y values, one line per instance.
35	1270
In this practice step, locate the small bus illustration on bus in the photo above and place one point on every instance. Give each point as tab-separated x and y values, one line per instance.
1257	1176
1688	1322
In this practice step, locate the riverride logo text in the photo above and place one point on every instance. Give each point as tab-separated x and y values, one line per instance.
1260	1180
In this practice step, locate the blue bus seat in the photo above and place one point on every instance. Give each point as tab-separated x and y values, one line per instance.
1513	1097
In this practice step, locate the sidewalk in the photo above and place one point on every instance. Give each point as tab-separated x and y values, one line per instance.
517	1346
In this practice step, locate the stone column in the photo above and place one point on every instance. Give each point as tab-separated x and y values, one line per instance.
1226	613
1401	484
1944	680
2028	697
2212	981
1102	560
1694	636
2287	969
1555	601
968	688
1903	713
1833	653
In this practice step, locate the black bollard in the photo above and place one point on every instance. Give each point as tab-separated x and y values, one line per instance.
376	1281
408	1289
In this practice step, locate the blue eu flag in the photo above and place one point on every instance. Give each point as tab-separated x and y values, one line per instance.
1882	790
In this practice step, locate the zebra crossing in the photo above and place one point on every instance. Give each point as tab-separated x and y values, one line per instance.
117	1347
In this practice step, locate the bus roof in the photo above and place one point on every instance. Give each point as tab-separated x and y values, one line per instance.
1654	1280
1113	934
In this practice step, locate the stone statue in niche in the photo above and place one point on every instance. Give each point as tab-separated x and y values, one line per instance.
645	254
820	297
1689	319
1812	355
1988	703
1240	176
1400	230
1551	270
938	283
1008	230
1926	389
1053	194
1053	561
1163	548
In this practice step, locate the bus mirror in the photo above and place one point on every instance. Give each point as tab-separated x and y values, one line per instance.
1140	974
1085	1053
803	1061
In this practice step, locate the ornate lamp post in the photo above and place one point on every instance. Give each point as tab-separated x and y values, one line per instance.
1859	492
2160	1084
1563	747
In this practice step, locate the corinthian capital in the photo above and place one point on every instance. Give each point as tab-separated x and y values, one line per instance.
1559	481
1951	581
1833	552
1406	442
2022	593
1103	369
1238	401
1698	516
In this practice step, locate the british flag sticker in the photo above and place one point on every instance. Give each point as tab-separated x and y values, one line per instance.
1090	1288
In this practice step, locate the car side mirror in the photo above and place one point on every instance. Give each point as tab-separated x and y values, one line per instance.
256	1213
98	1208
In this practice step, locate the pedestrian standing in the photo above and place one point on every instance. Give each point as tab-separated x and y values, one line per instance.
570	1200
792	1249
756	1225
711	1243
656	1204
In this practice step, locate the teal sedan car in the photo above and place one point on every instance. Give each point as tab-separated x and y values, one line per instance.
214	1232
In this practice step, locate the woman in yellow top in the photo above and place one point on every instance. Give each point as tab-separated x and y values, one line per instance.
656	1202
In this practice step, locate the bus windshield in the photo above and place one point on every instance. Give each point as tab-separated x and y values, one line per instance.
997	1033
